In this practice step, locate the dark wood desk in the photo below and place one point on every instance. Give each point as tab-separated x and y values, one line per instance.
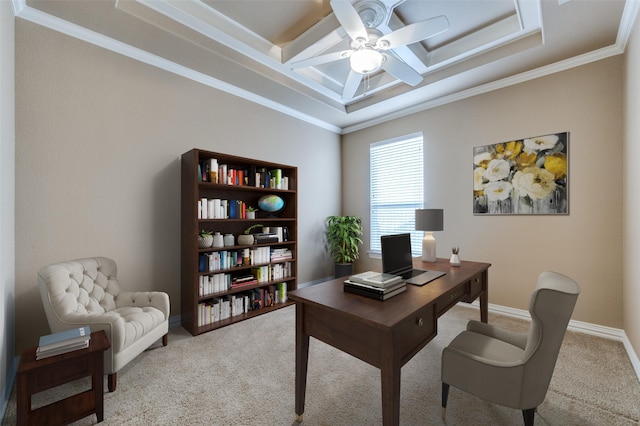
384	334
37	375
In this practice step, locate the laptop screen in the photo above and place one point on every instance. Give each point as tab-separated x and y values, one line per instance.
396	253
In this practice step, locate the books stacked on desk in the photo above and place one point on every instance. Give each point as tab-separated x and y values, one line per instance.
63	342
375	285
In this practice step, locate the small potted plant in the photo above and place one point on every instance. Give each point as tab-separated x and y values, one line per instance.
246	238
205	239
251	212
343	237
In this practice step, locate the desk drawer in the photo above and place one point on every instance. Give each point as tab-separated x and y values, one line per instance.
414	332
447	300
476	286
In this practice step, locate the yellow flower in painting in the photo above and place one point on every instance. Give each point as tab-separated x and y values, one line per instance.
510	150
535	182
556	164
526	160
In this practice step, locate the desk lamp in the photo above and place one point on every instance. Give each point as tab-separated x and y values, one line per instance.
429	220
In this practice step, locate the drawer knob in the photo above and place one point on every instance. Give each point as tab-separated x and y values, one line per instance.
420	322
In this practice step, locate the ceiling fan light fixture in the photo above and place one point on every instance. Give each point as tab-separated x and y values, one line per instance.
366	61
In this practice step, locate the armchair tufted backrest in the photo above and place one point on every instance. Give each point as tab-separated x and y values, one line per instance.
82	286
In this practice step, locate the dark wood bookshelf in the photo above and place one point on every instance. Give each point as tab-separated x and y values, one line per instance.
193	190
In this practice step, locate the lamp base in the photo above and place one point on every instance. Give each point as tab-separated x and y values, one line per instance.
428	247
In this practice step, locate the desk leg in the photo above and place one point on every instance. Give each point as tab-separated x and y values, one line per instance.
484	299
302	361
390	375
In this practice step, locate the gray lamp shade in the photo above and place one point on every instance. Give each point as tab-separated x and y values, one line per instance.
429	220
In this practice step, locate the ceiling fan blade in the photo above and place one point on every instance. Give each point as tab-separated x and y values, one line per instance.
351	85
349	19
401	71
414	32
322	59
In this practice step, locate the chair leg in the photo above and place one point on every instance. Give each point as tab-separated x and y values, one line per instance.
165	339
445	397
111	381
529	416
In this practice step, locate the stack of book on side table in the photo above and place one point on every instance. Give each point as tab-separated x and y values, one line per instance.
375	285
63	342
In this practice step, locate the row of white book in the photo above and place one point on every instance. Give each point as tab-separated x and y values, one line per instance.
221	260
225	307
273	272
63	342
216	283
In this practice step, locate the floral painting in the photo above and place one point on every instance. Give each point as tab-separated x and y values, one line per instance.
527	176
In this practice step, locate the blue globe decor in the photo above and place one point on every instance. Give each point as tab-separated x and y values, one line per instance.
271	203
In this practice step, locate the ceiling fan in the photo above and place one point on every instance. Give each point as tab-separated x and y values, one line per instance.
371	50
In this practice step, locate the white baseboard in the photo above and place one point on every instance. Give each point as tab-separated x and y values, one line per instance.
577	326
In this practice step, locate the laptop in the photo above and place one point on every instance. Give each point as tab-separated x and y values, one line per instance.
397	260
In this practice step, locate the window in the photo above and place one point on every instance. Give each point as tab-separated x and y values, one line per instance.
396	173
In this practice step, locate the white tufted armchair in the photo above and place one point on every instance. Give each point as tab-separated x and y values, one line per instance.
86	292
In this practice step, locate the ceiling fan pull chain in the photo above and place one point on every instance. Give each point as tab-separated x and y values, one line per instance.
365	85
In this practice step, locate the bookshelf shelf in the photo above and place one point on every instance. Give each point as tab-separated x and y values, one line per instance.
229	201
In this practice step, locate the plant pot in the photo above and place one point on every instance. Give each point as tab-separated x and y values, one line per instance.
343	269
251	215
205	242
245	239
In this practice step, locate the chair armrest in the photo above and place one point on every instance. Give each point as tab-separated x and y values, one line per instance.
141	299
511	337
112	324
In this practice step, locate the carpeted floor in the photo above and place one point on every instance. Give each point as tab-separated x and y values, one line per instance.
244	375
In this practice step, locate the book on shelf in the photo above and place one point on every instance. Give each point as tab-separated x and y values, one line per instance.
376	279
375	294
64	338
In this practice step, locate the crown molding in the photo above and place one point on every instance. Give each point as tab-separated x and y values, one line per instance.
21	10
65	27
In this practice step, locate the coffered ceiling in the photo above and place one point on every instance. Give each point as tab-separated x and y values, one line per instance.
294	55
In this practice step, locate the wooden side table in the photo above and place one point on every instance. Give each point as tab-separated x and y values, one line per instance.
38	375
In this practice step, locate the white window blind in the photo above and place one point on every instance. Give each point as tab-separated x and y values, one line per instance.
396	173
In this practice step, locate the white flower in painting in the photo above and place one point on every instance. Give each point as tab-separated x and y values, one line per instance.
483	157
498	191
542	142
497	170
535	182
478	179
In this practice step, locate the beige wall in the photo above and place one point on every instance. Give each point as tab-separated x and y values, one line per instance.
99	137
586	244
631	248
7	203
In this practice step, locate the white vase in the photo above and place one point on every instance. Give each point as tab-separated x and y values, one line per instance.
229	240
455	260
218	240
251	215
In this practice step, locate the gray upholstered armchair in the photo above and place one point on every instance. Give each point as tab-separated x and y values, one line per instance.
86	292
509	368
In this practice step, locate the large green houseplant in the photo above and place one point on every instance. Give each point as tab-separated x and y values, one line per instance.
343	239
